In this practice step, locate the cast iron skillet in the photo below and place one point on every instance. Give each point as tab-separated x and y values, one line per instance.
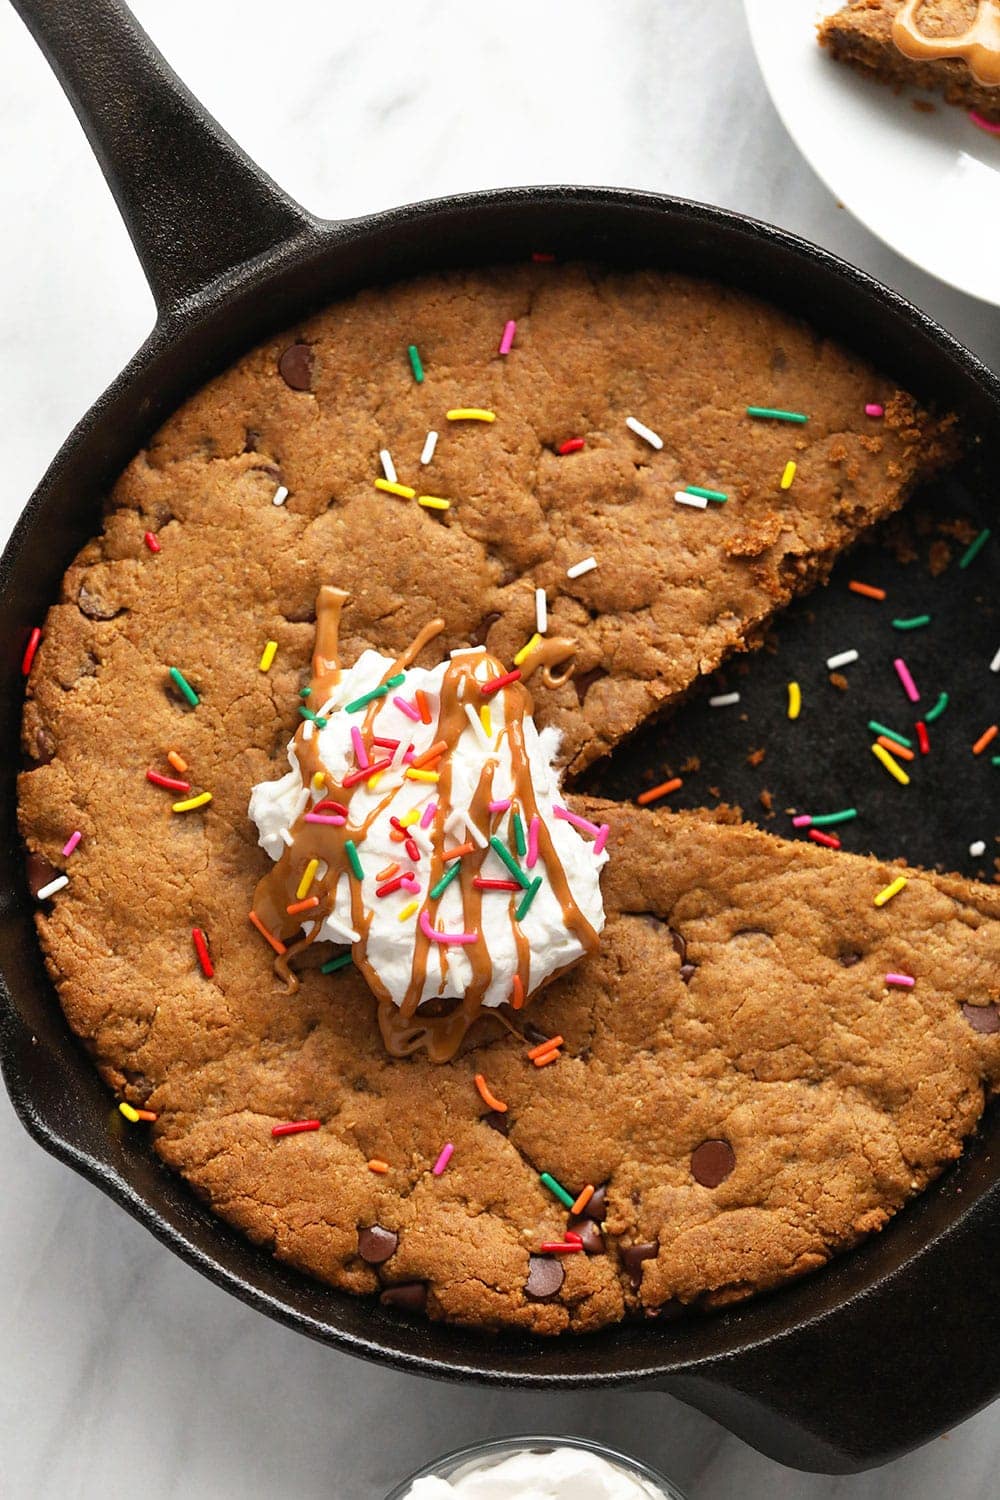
880	1351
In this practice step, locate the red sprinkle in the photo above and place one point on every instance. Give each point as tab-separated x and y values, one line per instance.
170	782
572	445
482	884
385	744
542	257
151	542
201	948
828	840
561	1247
295	1127
391	885
412	850
329	806
496	683
355	776
923	738
34	639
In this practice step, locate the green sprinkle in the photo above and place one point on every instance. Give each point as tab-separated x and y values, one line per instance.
395	681
500	849
520	842
417	367
446	879
366	698
717	495
775	415
340	962
305	692
185	687
995	760
974	548
317	719
912	624
354	859
892	734
827	820
557	1189
527	898
937	710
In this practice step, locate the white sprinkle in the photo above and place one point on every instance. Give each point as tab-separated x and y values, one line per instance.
285	834
683	498
641	430
309	729
477	837
430	443
977	849
578	569
388	467
341	929
477	725
53	886
995	663
723	700
541	612
842	659
280	495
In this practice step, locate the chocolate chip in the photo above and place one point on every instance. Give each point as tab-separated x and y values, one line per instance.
376	1244
43	747
597	1207
593	1239
686	970
296	367
583	681
478	636
95	607
712	1162
681	948
39	872
533	1035
982	1018
633	1257
849	958
497	1121
545	1277
409	1296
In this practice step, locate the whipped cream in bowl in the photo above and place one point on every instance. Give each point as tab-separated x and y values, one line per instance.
421	822
537	1469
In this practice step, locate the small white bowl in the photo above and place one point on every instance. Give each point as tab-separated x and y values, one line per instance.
480	1455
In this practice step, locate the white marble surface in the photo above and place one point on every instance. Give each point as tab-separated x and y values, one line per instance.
123	1371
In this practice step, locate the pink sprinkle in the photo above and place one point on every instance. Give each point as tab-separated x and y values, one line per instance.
408	756
447	1150
409	883
72	842
330	819
802	821
361	754
577	822
407	709
873	409
502	806
909	686
508	337
902	981
602	838
533	828
444	937
428	816
991	127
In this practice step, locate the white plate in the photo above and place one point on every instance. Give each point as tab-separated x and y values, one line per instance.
926	184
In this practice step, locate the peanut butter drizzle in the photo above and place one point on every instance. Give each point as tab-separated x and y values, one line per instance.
979	45
551	652
326	651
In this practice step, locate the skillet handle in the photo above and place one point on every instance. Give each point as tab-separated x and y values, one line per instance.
194	204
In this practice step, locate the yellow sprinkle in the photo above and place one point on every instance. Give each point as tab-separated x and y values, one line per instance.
129	1113
319	780
373	781
308	876
402	490
433	502
267	656
890	891
470	414
409	817
892	766
193	802
418	775
789	474
486	719
794	700
526	650
408	911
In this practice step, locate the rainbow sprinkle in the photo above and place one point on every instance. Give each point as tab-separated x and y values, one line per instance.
974	548
893	889
416	364
184	687
556	1188
447	1151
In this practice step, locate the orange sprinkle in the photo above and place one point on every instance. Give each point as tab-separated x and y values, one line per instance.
375	1165
583	1200
894	747
458	852
387	873
306	905
425	709
868	589
546	1046
547	1057
986	738
487	1097
659	791
177	761
517	993
146	1114
434	753
276	943
398	837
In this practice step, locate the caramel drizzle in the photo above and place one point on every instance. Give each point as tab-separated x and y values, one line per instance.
979	45
326	652
551	652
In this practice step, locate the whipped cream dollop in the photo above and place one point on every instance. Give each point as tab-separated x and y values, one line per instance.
560	1474
453	763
